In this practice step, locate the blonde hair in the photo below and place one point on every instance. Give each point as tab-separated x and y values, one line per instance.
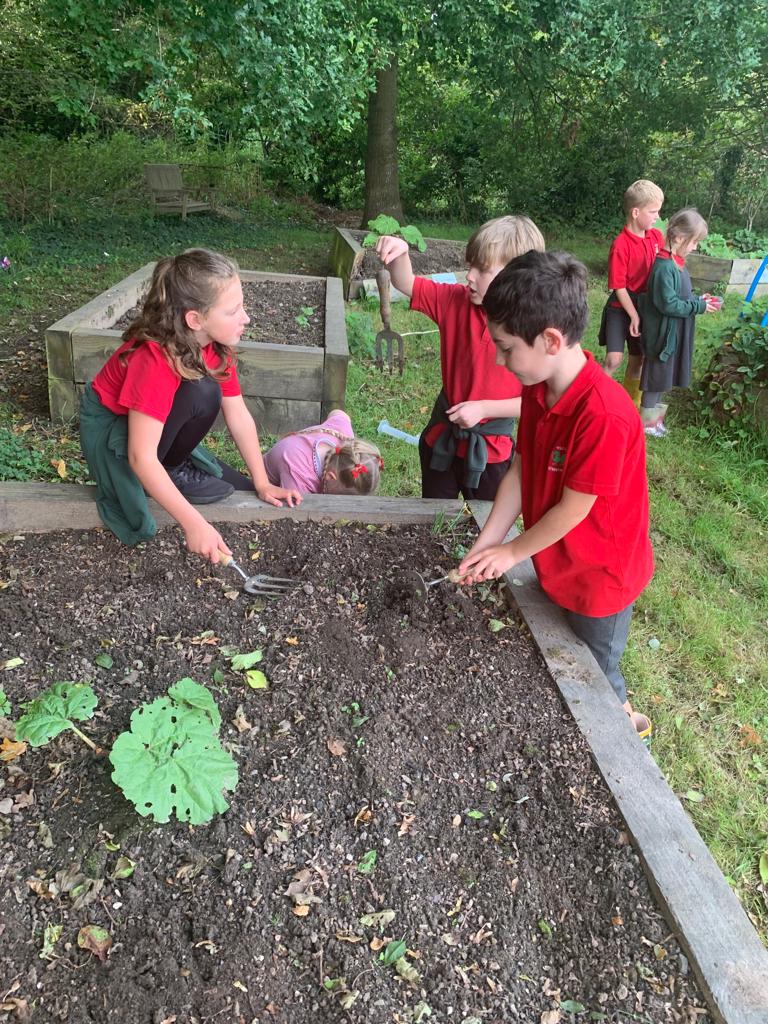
642	193
500	240
686	225
357	464
192	280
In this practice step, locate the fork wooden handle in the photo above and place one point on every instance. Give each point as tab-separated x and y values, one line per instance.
383	284
223	559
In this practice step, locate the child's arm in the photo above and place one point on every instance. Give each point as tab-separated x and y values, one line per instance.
393	253
507	506
629	308
490	562
144	434
242	427
468	414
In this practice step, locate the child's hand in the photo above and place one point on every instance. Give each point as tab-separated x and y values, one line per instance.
488	564
634	326
389	247
714	303
277	495
466	414
204	539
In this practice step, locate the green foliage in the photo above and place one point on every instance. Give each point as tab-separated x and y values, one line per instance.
5	704
18	460
303	318
392	952
171	759
386	225
361	336
735	386
53	711
742	244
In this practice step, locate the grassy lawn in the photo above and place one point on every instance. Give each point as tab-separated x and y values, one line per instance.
697	660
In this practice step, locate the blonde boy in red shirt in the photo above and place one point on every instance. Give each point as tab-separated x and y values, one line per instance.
629	266
578	475
467	444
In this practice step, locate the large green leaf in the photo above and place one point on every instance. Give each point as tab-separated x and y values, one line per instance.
171	759
384	224
54	711
413	236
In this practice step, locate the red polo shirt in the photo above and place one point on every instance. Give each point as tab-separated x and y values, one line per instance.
631	258
592	441
147	383
467	357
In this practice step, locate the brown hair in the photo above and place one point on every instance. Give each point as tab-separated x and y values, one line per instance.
498	241
686	225
192	280
357	464
642	193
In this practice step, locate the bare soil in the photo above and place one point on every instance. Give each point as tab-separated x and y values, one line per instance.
397	721
279	312
441	256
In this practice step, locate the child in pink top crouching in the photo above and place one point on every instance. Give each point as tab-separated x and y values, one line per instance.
325	459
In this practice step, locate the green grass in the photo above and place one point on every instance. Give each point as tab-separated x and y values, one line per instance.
705	685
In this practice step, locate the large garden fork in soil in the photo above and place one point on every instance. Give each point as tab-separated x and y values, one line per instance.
260	585
387	337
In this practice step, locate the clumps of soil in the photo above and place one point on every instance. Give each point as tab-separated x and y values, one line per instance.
411	759
441	256
279	312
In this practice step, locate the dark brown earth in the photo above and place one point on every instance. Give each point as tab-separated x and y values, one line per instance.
277	312
441	256
395	722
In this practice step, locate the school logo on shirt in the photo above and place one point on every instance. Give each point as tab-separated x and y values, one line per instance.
556	460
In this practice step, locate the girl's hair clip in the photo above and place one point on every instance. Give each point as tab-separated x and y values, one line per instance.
357	469
381	462
337	450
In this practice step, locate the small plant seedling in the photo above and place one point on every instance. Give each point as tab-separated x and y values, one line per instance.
54	710
392	953
353	709
5	704
385	225
367	863
171	758
303	318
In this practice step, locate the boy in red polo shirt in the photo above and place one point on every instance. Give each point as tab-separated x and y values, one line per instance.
467	445
578	475
629	266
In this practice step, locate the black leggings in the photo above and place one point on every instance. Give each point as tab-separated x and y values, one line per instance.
195	406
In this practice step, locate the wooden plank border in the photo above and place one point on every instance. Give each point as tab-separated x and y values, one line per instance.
730	962
39	508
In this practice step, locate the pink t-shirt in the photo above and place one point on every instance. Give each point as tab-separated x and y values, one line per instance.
295	462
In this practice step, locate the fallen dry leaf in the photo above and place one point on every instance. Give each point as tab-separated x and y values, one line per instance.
363	816
405	824
95	939
551	1017
336	747
292	640
240	722
61	467
10	749
376	943
749	737
301	910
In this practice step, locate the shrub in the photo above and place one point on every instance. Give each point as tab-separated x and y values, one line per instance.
734	390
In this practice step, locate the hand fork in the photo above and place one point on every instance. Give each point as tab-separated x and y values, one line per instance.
263	586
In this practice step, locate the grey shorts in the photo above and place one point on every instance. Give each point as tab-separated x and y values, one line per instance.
606	636
614	332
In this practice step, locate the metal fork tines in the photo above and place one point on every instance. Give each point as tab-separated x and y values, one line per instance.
264	585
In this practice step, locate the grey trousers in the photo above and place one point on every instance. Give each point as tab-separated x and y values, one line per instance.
606	637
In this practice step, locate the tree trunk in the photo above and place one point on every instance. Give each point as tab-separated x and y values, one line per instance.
382	182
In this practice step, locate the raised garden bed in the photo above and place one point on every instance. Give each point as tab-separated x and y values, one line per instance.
395	723
357	266
707	272
288	383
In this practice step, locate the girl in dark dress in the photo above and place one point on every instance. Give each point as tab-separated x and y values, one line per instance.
668	311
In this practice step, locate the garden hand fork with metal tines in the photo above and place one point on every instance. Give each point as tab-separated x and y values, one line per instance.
261	585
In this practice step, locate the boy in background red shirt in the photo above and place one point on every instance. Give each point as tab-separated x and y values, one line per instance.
578	475
629	266
467	444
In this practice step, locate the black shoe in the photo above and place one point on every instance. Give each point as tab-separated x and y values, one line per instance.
197	486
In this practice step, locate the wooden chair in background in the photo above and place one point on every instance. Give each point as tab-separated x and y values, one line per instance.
170	195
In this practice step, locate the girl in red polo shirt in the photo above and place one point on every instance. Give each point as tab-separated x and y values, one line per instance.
149	407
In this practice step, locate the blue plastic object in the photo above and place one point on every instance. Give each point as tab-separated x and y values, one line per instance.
386	428
753	288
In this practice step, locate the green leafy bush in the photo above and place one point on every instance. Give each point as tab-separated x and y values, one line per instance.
171	759
734	390
361	335
18	461
741	244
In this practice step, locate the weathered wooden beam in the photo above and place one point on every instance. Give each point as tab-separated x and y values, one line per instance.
724	949
336	349
39	508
